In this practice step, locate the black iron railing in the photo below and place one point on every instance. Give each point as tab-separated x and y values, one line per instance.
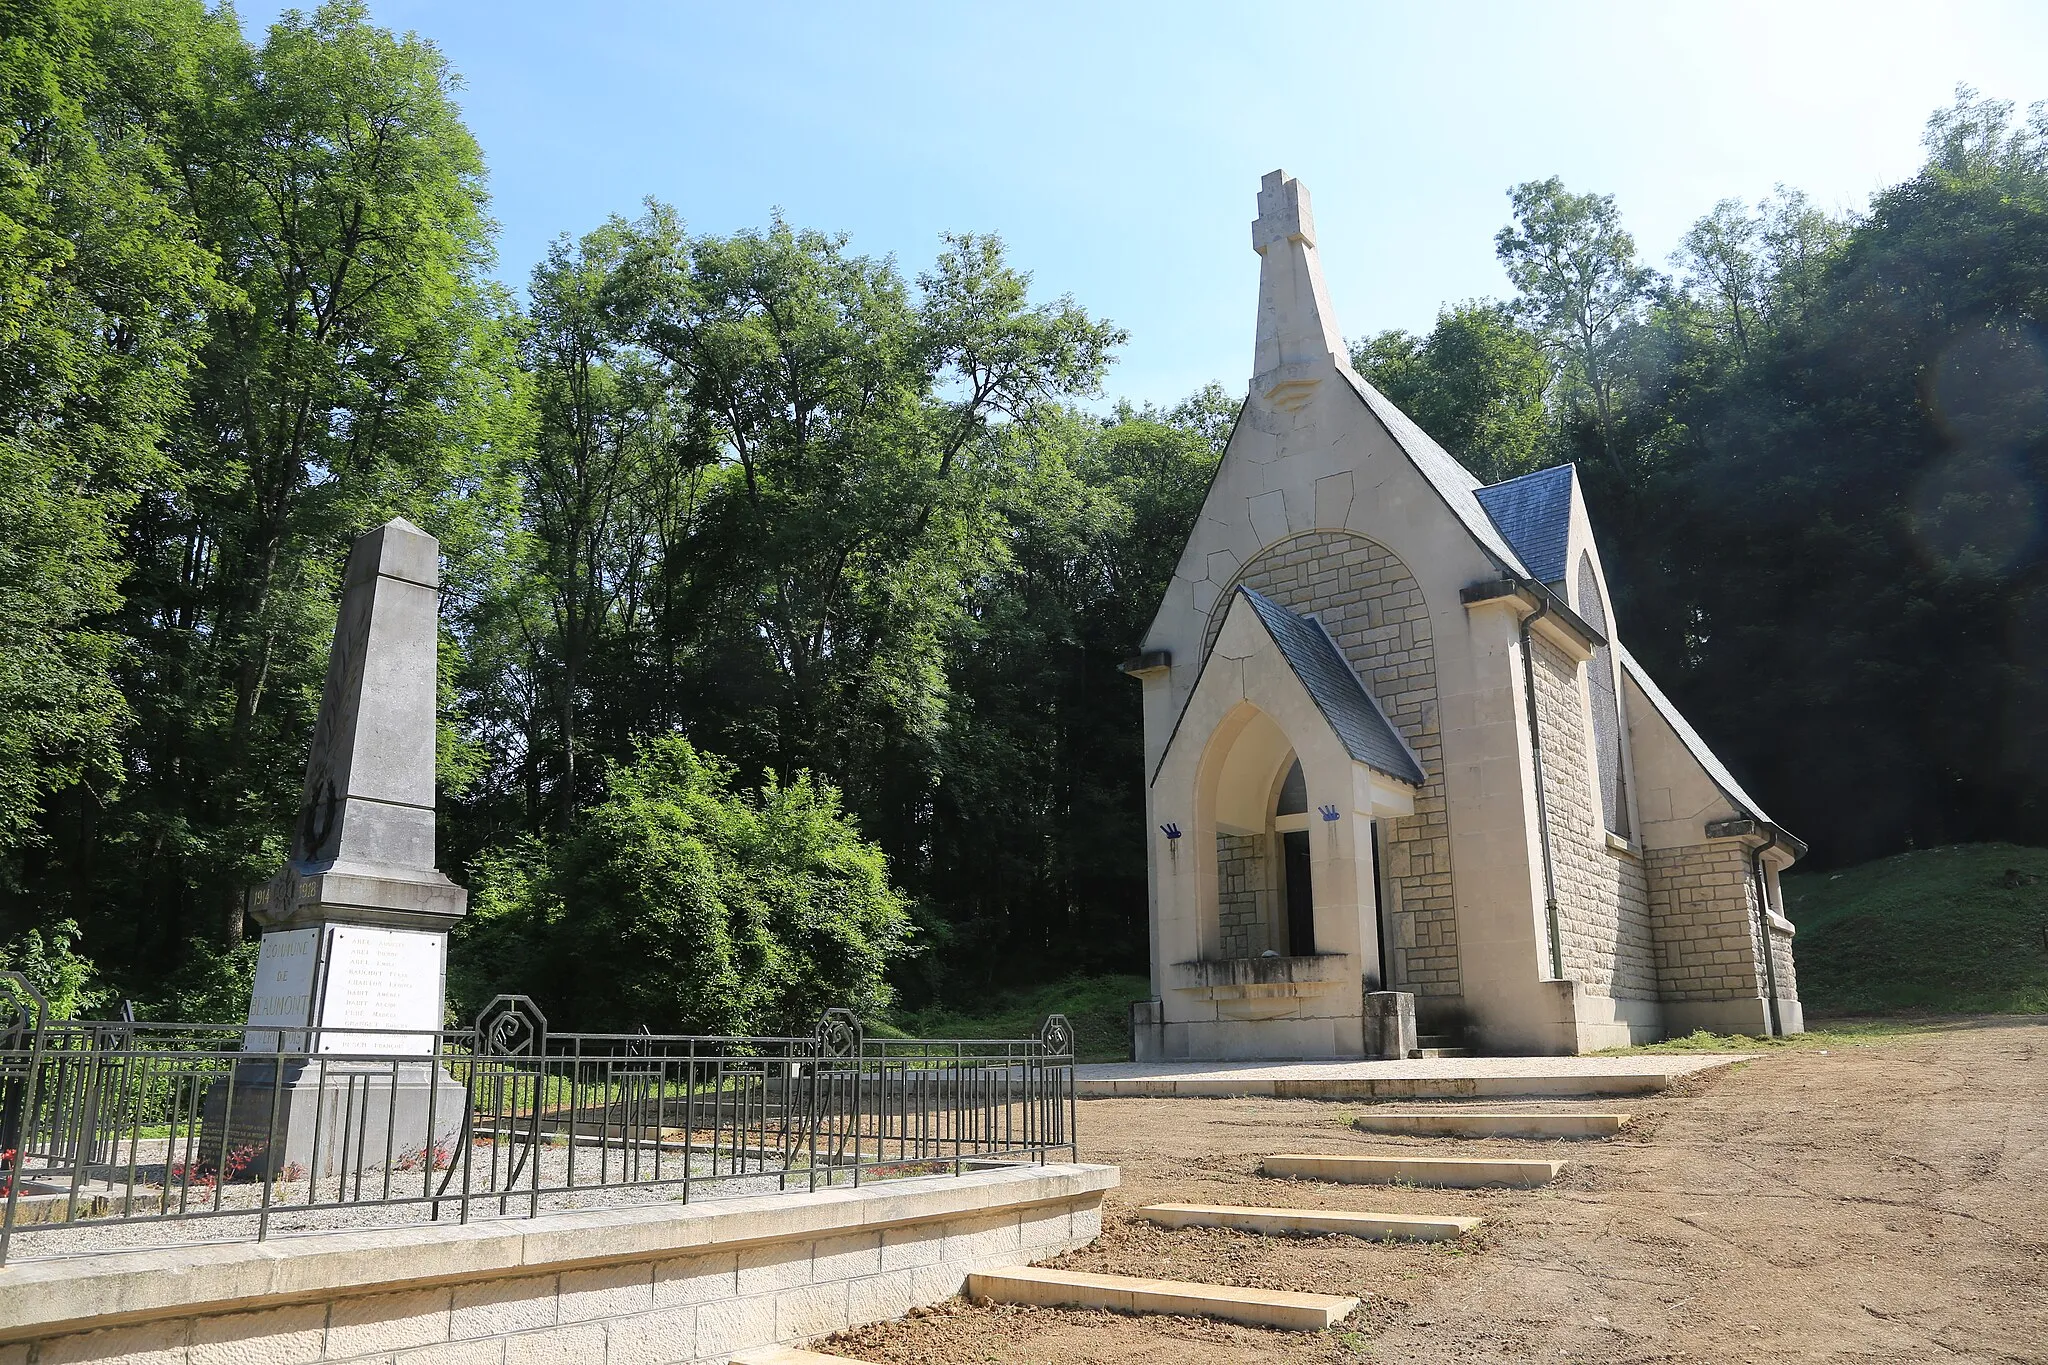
112	1129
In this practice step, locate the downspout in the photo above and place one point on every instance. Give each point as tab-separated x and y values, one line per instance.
1763	924
1542	805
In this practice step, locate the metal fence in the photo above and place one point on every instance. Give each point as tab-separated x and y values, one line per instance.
112	1129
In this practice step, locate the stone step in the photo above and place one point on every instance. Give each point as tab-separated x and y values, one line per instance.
1363	1081
1453	1172
1375	1227
1045	1288
786	1355
1428	1053
1457	1123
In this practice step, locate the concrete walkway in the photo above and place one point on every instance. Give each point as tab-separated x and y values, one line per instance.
1421	1078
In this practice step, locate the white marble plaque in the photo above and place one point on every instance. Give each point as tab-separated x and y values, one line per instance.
285	960
382	979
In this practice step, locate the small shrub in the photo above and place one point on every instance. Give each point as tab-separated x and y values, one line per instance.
64	977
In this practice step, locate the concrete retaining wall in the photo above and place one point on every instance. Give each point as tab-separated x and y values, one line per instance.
662	1285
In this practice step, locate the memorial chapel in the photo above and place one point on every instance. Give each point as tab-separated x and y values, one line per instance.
1395	743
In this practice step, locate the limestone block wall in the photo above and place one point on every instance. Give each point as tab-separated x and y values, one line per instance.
669	1285
1373	607
1243	895
1703	911
1603	897
1781	962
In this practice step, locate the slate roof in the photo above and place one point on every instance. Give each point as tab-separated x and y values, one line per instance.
1453	482
1368	736
1534	512
1690	737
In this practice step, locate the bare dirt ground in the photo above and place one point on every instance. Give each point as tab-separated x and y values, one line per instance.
1877	1202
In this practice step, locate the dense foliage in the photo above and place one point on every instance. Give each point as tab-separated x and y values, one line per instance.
1817	458
679	903
721	508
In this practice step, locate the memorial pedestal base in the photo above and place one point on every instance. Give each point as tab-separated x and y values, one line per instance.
321	1118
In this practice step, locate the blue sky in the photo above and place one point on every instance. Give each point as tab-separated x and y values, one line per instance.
1117	147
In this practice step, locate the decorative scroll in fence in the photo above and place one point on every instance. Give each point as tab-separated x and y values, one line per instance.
113	1132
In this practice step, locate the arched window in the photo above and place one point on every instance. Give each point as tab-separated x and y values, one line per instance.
1606	706
1297	887
1293	798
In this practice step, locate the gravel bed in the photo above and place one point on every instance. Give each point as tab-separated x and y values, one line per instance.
231	1212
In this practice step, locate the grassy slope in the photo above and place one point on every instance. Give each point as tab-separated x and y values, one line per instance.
1939	929
1097	1006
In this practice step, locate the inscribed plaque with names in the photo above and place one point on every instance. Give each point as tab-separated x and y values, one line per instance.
382	979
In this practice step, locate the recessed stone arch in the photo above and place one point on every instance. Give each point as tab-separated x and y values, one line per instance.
1373	608
1243	768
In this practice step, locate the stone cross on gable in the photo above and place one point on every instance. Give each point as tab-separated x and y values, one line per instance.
1298	341
1284	214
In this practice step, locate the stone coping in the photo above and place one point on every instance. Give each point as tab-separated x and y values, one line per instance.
1412	1078
1417	1068
41	1298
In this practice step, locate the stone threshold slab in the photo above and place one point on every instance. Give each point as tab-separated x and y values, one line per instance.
1375	1227
41	1298
1452	1123
1449	1172
1369	1088
1045	1288
1412	1079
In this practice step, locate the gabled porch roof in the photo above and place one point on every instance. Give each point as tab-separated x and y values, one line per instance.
1368	736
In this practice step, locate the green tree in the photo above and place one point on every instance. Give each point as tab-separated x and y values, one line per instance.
99	282
1580	287
355	365
781	466
1476	383
1724	261
1035	843
1854	514
603	452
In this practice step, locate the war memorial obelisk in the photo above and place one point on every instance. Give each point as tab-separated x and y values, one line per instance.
355	926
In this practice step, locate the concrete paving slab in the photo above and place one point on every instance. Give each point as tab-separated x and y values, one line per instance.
1450	1172
1456	1123
1405	1227
1044	1288
784	1355
1414	1078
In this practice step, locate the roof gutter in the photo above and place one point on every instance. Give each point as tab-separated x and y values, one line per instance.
1542	600
1763	924
1780	837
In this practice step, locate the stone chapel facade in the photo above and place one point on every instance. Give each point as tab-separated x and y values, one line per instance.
1393	742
